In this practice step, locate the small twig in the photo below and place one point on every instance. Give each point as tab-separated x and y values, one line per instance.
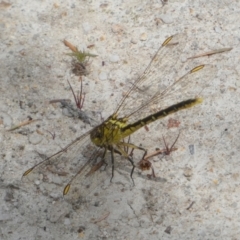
169	150
59	173
212	52
23	124
91	46
158	152
52	134
165	151
80	97
39	132
70	46
59	100
101	218
188	208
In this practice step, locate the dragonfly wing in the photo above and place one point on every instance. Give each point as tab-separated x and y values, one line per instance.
62	166
88	177
163	65
189	86
161	84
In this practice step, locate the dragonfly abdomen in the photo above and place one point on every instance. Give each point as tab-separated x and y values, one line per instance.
131	128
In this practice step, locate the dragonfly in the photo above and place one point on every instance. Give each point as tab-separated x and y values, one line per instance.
156	93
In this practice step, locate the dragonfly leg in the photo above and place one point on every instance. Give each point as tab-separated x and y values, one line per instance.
112	158
133	167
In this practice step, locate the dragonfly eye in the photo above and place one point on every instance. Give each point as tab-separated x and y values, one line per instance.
96	134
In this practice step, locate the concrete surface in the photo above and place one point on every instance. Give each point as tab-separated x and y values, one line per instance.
196	193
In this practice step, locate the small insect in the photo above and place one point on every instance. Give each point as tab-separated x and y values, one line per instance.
146	101
145	164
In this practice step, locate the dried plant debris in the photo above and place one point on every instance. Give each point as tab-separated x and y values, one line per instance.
79	97
211	53
145	163
24	123
80	59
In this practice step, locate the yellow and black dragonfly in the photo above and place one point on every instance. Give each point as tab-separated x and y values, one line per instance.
156	93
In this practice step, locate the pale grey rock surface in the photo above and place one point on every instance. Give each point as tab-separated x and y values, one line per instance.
197	192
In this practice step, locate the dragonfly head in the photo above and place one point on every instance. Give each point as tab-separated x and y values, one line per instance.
97	136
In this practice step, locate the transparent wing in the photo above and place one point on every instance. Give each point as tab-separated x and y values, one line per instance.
78	169
164	62
161	84
189	86
80	156
87	178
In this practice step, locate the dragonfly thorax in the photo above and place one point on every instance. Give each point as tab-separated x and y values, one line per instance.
109	132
